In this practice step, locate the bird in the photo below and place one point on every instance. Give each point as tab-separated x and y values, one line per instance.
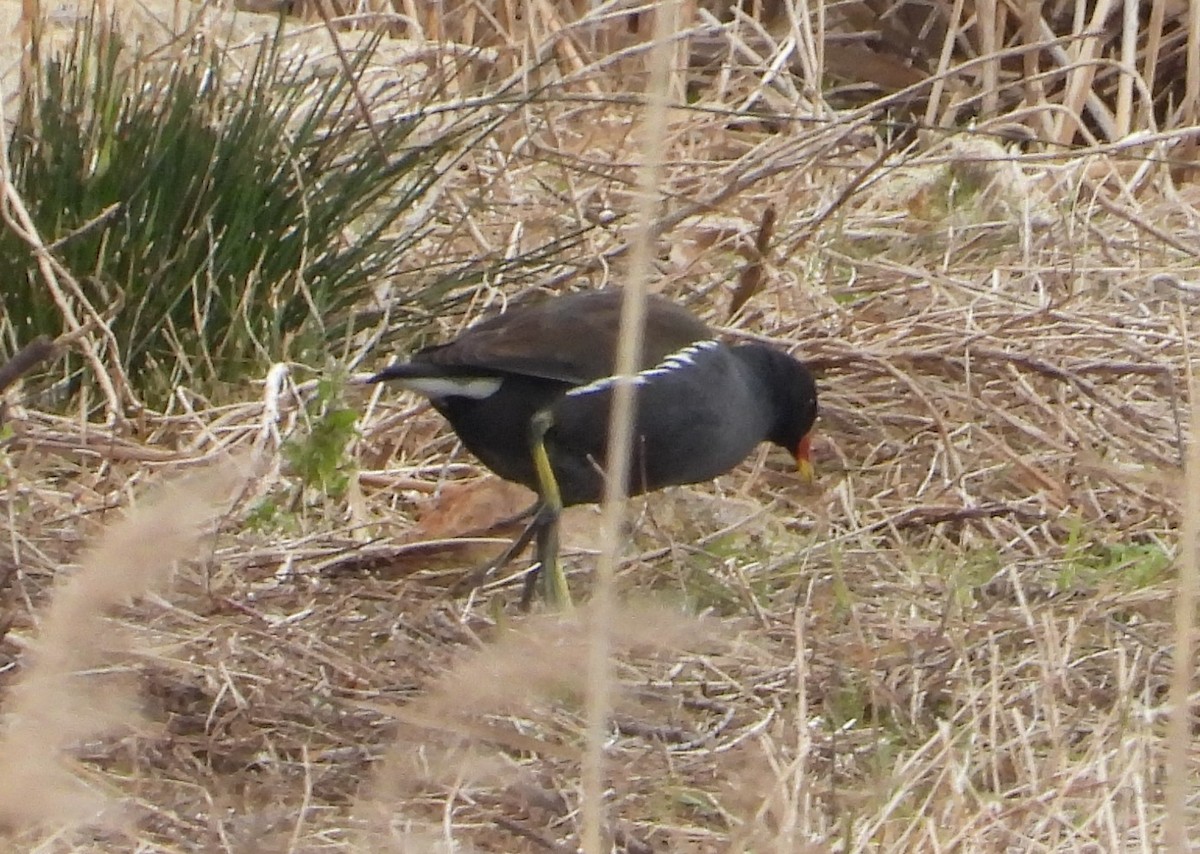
528	392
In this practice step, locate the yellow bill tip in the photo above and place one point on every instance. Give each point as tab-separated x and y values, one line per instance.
804	466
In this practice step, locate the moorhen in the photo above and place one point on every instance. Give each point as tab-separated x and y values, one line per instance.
528	392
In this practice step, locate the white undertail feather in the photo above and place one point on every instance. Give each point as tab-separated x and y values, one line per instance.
679	359
476	388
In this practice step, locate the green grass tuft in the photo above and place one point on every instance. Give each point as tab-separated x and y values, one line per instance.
217	220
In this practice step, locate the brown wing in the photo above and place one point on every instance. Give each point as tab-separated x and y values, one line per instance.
571	338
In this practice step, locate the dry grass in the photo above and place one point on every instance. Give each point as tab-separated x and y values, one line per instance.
74	687
961	639
1063	71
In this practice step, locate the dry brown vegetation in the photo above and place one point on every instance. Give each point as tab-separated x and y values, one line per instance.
961	639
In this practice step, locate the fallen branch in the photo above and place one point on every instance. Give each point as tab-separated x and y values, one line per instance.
27	358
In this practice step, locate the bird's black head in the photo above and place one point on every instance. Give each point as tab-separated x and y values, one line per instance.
790	387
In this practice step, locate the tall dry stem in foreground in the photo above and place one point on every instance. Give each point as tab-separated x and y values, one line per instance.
1180	727
70	691
620	430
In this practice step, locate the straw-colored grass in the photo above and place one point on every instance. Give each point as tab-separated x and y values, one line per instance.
1066	71
962	638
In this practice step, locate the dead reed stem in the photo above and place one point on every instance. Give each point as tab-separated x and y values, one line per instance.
653	134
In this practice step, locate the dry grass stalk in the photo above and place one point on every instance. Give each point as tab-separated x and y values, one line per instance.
1181	767
653	137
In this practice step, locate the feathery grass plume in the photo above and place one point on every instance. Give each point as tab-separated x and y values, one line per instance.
462	731
68	693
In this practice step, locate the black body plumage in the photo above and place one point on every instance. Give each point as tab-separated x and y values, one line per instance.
700	406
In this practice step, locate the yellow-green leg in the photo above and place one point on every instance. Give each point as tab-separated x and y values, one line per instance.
554	582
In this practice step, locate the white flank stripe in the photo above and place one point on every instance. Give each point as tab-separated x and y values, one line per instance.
679	359
475	388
